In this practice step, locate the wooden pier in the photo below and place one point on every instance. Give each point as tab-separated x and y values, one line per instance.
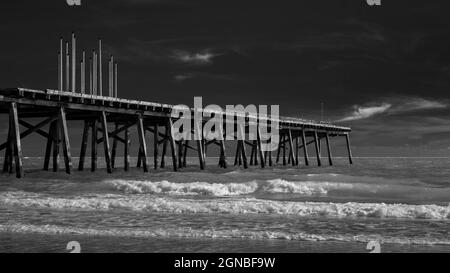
109	119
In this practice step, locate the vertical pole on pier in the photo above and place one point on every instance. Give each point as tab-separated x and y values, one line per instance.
155	146
61	66
316	142
349	150
305	148
260	149
83	73
199	138
94	72
126	153
14	119
59	71
91	76
112	77
74	54
100	70
291	146
116	94
330	157
172	144
65	140
143	144
114	149
56	140
109	77
106	142
94	145
67	67
84	143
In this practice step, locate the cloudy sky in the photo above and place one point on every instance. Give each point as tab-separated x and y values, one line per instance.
384	71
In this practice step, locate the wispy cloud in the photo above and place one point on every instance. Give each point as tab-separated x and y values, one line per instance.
361	112
197	58
188	76
393	106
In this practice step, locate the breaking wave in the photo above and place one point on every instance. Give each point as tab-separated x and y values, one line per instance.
190	233
195	188
155	204
306	188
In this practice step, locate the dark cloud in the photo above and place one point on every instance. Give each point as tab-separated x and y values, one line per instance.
386	70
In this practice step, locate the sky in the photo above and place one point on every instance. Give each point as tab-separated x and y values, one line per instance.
382	70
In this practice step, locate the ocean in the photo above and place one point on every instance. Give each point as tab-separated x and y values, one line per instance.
402	204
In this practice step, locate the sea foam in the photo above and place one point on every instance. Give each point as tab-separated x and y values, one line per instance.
190	233
235	205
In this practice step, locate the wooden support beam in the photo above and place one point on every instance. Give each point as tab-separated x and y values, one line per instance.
106	146
48	149
199	138
284	151
94	145
279	148
172	144
31	129
238	153
270	159
139	158
7	163
255	156
296	150
126	153
316	141
116	132
56	140
35	128
18	157
291	146
142	142
243	154
84	143
330	157
115	136
186	145
65	140
140	153
223	157
305	148
155	146
180	154
252	155
114	149
349	150
163	155
260	149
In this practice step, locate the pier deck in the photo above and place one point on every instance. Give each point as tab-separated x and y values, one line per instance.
100	112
